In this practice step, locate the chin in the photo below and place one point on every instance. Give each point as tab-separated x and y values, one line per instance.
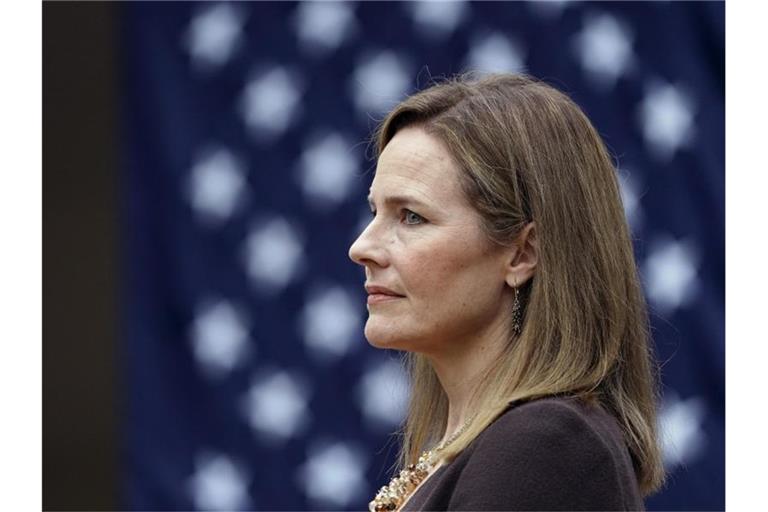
384	338
384	342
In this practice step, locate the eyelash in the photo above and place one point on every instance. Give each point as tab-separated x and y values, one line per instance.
422	220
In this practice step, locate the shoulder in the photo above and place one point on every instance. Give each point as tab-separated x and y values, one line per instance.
558	432
548	454
547	419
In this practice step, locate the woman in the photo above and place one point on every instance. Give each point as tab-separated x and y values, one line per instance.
500	262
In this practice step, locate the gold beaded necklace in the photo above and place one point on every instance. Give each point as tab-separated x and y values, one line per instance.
392	496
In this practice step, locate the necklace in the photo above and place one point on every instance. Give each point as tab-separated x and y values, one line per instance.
392	496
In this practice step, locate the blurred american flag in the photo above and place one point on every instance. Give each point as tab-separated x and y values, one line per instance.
245	165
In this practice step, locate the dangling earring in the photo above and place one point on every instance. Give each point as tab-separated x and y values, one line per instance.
516	316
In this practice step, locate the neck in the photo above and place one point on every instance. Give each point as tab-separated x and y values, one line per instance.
460	371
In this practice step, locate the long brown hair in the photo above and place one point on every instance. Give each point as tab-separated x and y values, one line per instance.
528	153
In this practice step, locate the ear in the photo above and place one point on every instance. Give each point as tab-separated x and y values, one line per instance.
523	256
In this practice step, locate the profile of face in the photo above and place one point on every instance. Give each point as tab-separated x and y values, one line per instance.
425	243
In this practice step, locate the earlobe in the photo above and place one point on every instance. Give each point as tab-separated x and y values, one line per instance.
523	261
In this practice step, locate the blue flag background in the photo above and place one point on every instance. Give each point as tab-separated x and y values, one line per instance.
245	166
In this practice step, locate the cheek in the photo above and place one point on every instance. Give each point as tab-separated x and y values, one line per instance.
433	273
456	275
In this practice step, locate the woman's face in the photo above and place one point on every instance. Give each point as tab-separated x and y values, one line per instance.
425	243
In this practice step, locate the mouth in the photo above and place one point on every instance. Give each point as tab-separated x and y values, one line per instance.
378	294
379	298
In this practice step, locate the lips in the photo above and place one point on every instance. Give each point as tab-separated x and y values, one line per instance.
373	289
377	298
378	294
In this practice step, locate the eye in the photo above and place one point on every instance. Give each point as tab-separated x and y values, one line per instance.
412	218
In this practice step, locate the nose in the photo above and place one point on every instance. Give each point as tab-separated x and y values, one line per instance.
365	250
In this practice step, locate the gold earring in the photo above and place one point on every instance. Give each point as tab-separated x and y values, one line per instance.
516	314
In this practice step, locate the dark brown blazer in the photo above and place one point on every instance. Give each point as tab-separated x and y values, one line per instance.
553	453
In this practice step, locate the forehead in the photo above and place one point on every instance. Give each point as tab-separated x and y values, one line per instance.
418	163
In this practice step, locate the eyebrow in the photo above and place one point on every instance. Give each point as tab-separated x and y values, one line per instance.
399	200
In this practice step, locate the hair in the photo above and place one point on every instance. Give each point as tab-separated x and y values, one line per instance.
526	152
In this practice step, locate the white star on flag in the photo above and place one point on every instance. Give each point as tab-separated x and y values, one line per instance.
333	476
670	272
604	47
496	53
216	186
438	19
214	34
323	26
276	406
273	250
327	170
270	103
379	82
680	426
219	338
666	118
219	484
330	323
382	395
